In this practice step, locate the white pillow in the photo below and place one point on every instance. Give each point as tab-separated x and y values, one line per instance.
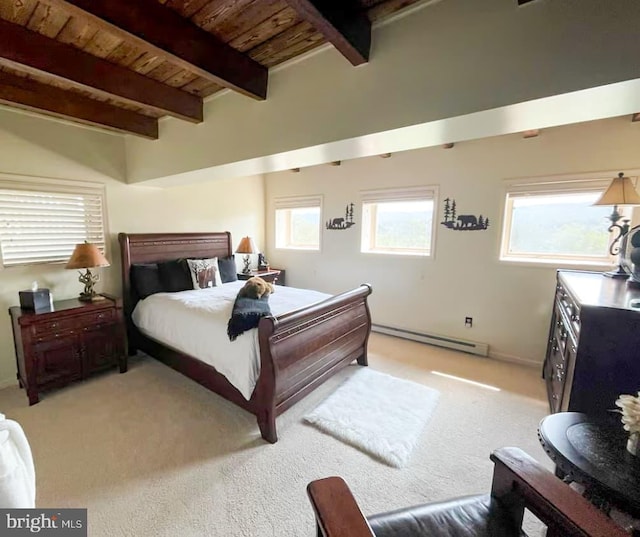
204	273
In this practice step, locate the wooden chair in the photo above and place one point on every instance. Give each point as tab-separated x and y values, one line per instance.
518	482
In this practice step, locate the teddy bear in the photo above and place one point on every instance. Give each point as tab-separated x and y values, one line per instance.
256	287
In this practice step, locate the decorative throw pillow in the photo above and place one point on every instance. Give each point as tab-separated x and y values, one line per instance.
145	278
204	273
175	276
228	270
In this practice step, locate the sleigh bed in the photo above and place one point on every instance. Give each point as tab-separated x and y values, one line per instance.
298	350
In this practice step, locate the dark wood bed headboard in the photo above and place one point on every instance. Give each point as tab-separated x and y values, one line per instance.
156	247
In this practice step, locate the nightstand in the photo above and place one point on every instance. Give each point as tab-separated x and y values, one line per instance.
275	276
68	343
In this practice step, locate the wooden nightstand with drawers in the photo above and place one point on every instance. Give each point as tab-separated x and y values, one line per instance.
275	276
69	343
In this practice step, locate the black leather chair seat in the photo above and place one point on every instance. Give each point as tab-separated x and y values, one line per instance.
470	516
519	482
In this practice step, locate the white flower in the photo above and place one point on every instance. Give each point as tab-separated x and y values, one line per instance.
630	410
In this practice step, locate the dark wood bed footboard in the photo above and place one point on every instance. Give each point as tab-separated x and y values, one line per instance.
298	350
302	348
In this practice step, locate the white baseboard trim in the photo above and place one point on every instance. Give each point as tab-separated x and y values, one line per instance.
512	358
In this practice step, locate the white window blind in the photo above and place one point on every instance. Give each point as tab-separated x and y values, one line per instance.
42	223
389	195
297	202
539	188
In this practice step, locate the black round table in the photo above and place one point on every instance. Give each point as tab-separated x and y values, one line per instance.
592	452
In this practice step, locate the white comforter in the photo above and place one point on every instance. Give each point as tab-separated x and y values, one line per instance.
195	323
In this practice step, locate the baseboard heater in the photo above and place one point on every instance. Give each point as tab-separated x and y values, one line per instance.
473	347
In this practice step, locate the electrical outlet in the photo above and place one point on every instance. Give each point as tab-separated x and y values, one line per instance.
468	322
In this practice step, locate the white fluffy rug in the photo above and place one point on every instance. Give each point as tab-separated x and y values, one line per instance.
377	413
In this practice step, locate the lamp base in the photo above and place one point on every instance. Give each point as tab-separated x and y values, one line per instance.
246	269
617	273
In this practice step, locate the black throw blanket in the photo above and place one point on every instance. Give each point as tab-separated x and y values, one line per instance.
246	314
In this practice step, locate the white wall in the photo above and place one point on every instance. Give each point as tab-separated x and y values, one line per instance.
448	59
510	304
39	147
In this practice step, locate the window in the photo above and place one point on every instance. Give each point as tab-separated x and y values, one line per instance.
557	221
298	222
398	221
41	222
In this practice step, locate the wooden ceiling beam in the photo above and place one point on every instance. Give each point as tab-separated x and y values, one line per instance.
29	94
162	30
33	52
341	23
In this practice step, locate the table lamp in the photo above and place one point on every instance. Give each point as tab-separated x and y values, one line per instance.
620	192
246	246
87	256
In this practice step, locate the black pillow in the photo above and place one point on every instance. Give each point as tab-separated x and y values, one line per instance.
146	279
174	275
228	270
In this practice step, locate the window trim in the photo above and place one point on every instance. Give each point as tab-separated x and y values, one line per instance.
550	185
298	202
30	183
399	194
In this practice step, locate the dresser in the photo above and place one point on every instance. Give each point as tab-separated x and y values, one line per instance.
68	343
593	351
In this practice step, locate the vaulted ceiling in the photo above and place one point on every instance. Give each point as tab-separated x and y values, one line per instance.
122	64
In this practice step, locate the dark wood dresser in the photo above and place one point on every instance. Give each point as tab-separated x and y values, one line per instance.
593	352
68	343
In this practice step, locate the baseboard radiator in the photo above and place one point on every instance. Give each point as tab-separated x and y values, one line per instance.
473	347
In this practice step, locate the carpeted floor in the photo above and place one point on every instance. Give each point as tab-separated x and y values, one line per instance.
152	453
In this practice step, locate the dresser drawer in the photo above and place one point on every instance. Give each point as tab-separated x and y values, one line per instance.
53	327
570	310
65	325
100	317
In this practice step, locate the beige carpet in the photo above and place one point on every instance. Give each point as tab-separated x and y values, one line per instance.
152	453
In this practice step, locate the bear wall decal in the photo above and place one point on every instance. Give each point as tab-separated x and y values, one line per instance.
462	222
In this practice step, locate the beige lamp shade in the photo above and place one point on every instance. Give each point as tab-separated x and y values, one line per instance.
247	246
620	192
86	255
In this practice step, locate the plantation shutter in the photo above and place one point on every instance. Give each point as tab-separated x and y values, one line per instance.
42	224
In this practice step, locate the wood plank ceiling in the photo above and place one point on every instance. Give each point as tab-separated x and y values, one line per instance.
122	64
